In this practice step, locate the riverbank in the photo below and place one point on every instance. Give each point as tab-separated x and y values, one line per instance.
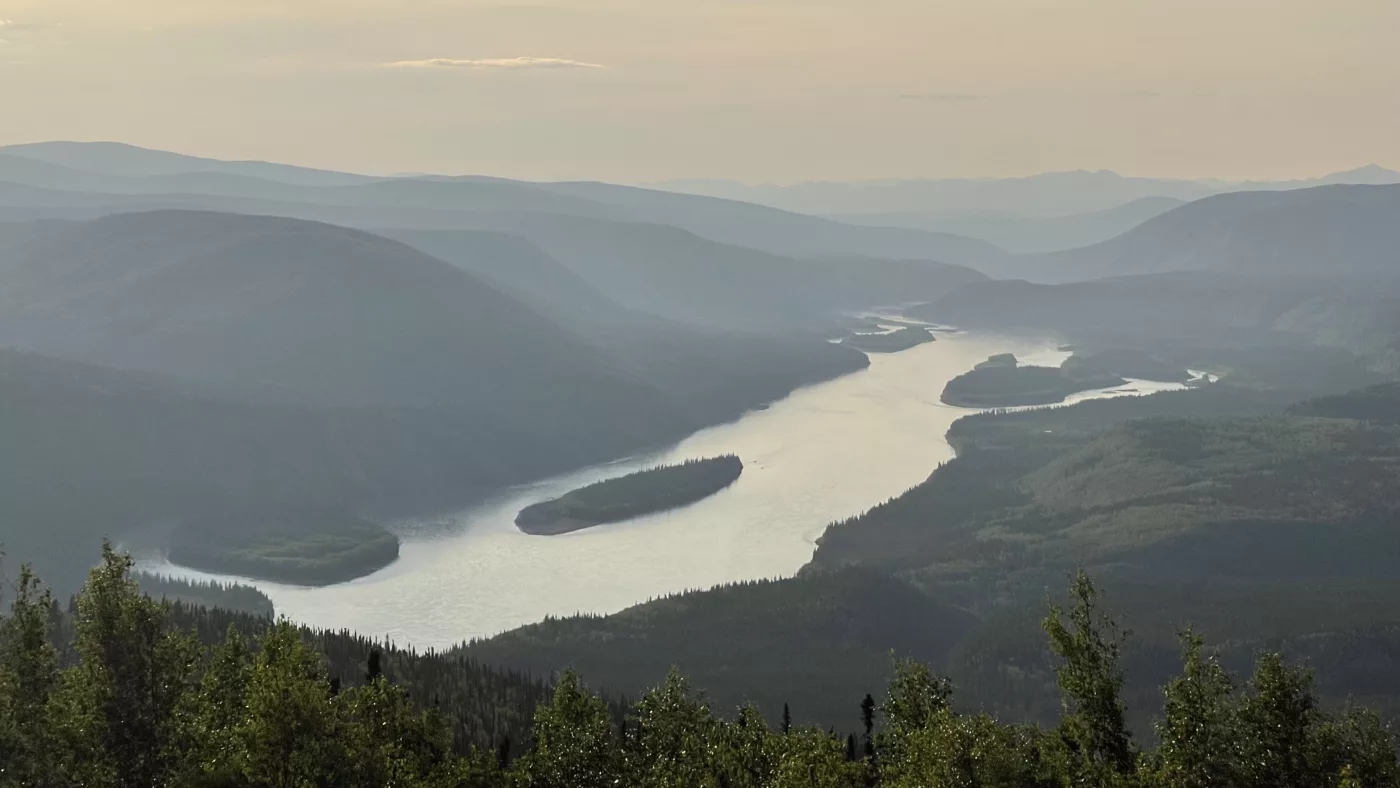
825	453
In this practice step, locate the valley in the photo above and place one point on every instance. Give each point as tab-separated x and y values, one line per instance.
824	453
699	394
447	413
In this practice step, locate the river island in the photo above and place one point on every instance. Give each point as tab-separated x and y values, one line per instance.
890	342
626	497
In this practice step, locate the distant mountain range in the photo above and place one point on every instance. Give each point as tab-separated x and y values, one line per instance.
1039	213
1321	231
1312	266
117	177
1047	195
1029	234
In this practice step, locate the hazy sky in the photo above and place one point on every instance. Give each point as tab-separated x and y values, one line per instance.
762	90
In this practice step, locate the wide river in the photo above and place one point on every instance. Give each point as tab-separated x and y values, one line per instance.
824	453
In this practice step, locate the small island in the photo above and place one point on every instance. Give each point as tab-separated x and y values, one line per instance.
1001	382
636	494
303	547
890	342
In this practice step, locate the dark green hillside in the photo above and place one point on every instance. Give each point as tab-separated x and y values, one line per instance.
1213	506
233	597
227	699
108	452
812	641
634	495
1171	497
1379	404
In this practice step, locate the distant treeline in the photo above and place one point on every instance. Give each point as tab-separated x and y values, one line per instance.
132	697
636	494
234	597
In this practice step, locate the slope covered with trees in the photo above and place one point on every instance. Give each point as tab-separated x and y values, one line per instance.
1216	506
283	382
130	697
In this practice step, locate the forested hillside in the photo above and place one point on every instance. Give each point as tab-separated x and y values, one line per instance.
1217	506
125	691
285	387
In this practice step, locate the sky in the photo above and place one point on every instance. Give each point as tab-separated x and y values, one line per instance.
756	90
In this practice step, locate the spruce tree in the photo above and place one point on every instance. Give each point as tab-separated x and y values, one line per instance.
1094	743
28	677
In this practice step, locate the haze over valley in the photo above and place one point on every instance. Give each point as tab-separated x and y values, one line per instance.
699	397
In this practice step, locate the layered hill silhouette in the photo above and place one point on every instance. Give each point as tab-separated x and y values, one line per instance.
1339	231
312	309
1043	195
1029	234
674	273
274	364
137	178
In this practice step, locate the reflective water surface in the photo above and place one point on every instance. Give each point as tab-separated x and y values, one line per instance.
824	453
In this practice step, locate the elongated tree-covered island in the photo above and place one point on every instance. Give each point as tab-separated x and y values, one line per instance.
890	342
636	494
1001	382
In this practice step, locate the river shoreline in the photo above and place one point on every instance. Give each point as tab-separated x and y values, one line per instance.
822	454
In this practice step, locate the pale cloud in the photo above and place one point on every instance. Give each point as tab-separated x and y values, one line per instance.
495	64
946	97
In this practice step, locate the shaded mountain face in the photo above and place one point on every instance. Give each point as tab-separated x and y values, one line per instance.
1309	267
815	641
1329	231
324	312
715	372
271	365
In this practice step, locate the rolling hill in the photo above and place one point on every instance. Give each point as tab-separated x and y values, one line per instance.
272	366
1326	231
